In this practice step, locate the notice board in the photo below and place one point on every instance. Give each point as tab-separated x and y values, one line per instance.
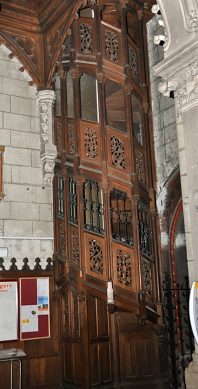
9	310
34	308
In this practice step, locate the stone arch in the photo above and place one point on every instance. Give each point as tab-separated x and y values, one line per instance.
20	55
172	197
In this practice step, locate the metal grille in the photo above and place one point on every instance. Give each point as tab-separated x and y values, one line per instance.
60	197
93	207
72	201
145	231
180	338
121	217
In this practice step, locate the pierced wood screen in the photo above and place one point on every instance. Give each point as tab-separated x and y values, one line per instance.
95	256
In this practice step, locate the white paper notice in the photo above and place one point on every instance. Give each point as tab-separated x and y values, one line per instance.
8	310
29	318
43	296
43	287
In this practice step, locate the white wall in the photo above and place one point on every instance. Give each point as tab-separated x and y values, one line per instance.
164	121
26	227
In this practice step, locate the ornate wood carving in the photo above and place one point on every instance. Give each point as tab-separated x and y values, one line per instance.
139	162
48	22
146	276
124	268
75	247
117	152
85	38
58	134
71	137
91	143
133	63
62	241
95	256
112	50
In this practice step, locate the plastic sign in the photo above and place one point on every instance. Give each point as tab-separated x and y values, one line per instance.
193	309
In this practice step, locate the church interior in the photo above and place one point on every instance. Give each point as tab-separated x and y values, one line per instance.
98	193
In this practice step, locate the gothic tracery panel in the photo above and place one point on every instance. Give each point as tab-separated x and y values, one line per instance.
62	240
75	247
71	137
91	143
146	276
117	152
133	63
139	162
85	38
95	256
112	50
95	261
124	267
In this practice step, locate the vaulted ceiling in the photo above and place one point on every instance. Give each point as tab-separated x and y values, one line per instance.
35	30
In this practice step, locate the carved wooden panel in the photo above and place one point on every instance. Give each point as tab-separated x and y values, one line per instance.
61	238
118	149
90	144
133	62
73	363
71	140
124	267
140	165
58	134
100	355
74	249
95	256
86	38
146	274
111	42
75	320
138	353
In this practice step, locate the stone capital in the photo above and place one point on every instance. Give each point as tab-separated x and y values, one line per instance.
45	101
180	74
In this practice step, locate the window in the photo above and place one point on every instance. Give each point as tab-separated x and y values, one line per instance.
145	230
137	114
93	207
87	13
115	106
58	96
121	217
60	197
73	218
89	98
70	96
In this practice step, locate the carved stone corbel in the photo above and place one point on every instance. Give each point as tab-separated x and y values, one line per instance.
48	152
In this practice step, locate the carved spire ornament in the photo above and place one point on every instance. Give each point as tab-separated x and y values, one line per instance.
45	101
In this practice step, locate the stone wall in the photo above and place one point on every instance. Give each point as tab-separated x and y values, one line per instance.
26	227
164	121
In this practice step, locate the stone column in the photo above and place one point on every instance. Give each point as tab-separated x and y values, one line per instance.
45	101
184	81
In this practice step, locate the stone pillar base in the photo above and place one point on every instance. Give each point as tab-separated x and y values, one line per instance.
191	373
